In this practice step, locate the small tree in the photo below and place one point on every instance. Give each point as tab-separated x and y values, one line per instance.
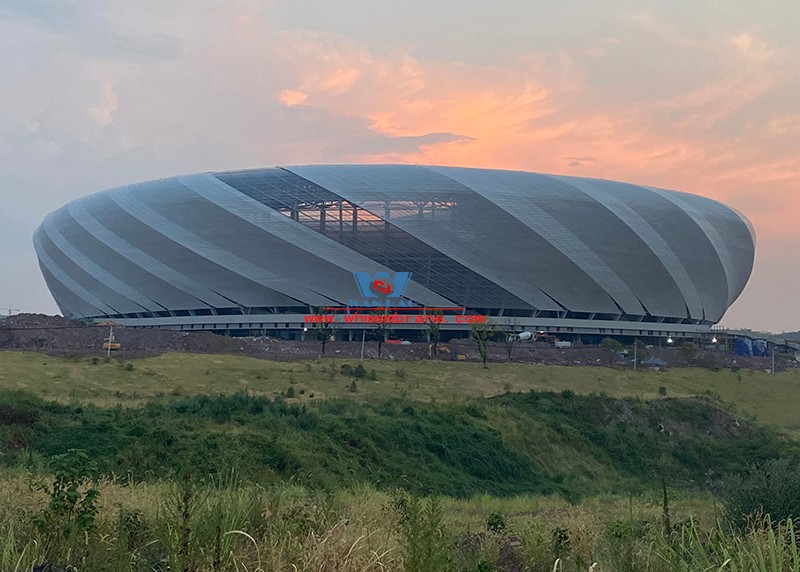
381	327
324	330
510	336
612	345
434	324
689	351
482	332
641	350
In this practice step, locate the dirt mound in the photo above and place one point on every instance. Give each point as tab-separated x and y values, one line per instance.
62	336
32	321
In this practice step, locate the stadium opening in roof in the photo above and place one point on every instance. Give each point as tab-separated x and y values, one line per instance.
258	251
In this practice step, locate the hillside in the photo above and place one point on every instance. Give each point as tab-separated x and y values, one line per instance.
279	464
772	399
512	444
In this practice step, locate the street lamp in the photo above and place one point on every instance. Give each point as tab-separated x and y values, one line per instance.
670	340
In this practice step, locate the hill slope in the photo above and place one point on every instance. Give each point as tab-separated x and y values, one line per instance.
772	399
514	443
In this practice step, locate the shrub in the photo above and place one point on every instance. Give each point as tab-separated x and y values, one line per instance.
290	391
425	543
611	345
400	372
496	522
689	351
772	489
353	387
72	507
662	391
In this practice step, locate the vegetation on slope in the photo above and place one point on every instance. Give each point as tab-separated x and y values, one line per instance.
516	443
226	463
771	399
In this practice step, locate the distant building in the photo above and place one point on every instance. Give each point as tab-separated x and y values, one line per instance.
261	250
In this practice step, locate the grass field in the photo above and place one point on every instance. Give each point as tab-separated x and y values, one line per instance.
355	529
275	485
774	400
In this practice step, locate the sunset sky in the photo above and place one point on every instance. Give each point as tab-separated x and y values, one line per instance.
701	96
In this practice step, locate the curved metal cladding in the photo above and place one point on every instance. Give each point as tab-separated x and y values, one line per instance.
281	240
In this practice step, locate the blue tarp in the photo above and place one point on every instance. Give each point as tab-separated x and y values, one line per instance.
760	348
743	347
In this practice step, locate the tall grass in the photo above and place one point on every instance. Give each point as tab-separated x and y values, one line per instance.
765	546
227	525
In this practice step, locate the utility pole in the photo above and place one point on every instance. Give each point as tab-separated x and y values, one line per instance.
635	343
110	339
773	359
363	333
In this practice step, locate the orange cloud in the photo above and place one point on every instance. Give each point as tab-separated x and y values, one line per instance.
292	97
540	111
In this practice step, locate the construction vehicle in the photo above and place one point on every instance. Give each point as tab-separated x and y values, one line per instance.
442	351
528	336
110	343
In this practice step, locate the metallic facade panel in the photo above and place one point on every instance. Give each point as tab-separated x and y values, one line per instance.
146	274
467	229
522	196
283	240
296	237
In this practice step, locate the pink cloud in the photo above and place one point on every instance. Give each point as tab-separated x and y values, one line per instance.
292	97
534	112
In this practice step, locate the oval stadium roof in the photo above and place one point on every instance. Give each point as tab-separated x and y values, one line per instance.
501	242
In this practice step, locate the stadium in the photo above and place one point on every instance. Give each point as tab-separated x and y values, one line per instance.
262	251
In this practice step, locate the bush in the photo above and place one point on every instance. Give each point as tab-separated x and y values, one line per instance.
359	371
72	506
772	489
425	543
689	351
496	522
611	345
290	391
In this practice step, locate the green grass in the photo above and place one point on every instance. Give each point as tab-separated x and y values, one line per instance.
545	443
314	478
772	399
